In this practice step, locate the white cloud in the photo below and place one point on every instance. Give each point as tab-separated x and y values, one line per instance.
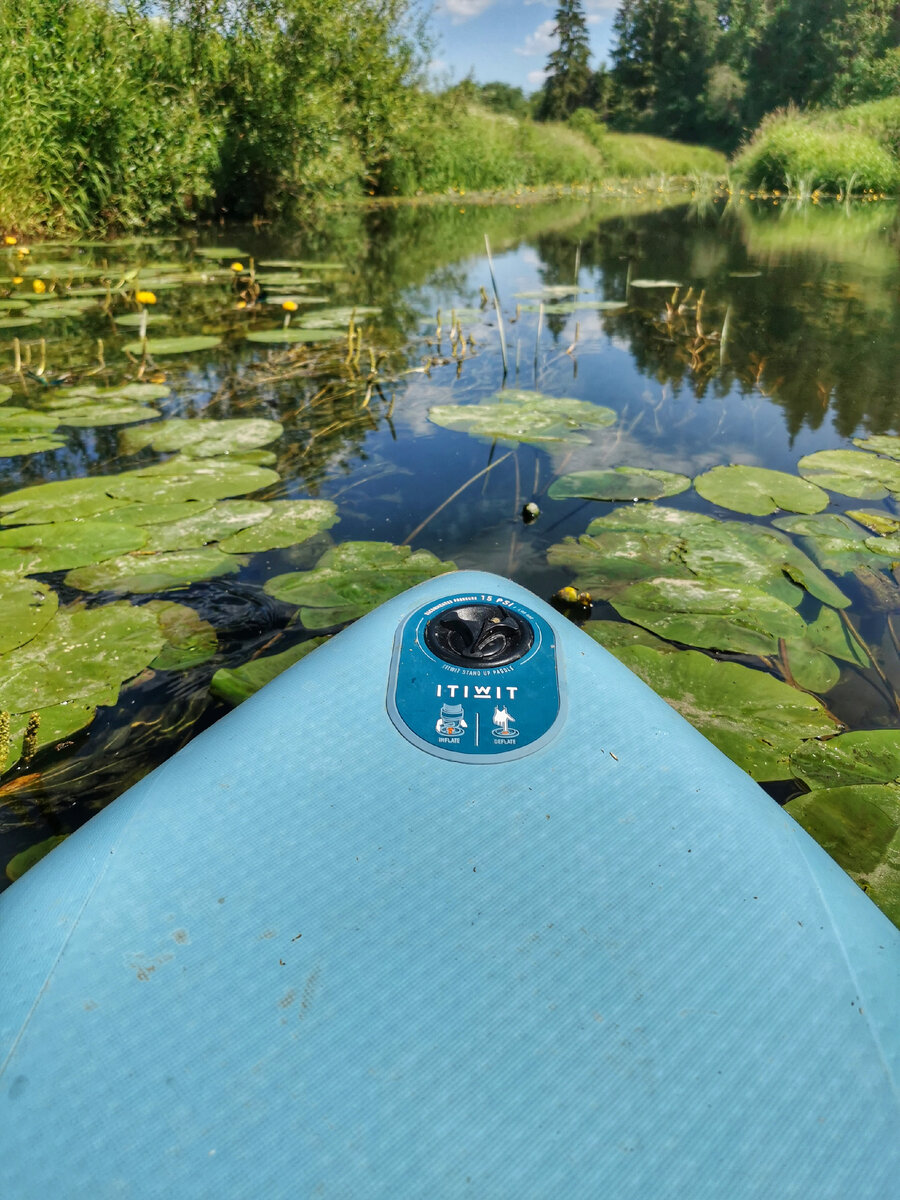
536	78
597	9
542	41
465	10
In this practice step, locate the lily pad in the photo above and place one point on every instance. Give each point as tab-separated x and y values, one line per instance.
289	522
189	639
881	444
876	522
133	320
30	549
5	393
83	653
183	478
202	438
56	723
811	669
551	289
707	613
654	283
759	491
338	316
521	416
292	334
572	306
619	483
852	473
235	684
755	719
143	573
20	322
161	347
834	543
26	606
888	547
862	756
230	252
859	826
353	578
25	859
208	525
13	305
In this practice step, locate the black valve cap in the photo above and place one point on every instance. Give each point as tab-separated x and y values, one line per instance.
478	635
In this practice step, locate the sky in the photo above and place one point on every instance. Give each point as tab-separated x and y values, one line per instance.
507	40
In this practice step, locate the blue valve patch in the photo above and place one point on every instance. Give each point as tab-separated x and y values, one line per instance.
478	712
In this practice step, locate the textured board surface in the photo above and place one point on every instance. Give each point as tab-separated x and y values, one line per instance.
307	958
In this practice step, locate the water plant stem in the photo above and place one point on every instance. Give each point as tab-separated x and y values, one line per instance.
502	332
418	529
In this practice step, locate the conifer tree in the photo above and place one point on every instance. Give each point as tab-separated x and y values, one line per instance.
568	72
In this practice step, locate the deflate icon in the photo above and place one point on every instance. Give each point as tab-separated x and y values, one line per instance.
451	722
502	719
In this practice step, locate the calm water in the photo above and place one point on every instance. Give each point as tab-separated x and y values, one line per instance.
793	350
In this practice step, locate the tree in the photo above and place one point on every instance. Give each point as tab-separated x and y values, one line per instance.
568	70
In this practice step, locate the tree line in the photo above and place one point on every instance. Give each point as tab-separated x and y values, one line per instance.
710	70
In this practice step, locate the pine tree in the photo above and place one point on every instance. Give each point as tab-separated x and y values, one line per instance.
568	72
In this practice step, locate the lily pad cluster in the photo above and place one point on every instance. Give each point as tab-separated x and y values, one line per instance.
517	415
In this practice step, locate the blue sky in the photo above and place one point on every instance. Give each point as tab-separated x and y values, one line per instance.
507	39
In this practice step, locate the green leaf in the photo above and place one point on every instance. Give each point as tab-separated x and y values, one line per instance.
755	719
57	722
201	437
25	859
877	522
706	613
157	347
522	416
353	578
571	306
617	636
852	473
209	525
83	653
235	684
29	549
654	283
889	547
14	322
759	491
833	542
142	573
606	563
289	523
26	606
884	444
619	483
183	478
5	393
133	320
24	431
863	756
859	826
810	667
189	640
293	333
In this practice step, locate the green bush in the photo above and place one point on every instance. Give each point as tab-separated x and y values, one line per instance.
824	150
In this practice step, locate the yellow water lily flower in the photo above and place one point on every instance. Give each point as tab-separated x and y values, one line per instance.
9	240
236	266
289	305
18	279
39	286
146	297
22	251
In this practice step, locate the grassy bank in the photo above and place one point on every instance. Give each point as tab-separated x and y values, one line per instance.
156	113
839	150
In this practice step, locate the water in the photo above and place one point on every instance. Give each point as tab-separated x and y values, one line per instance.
791	350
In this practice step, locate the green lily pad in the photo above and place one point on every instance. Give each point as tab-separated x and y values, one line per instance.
288	523
202	438
338	316
619	483
859	826
353	578
572	306
30	549
230	252
142	573
292	334
20	322
833	542
83	653
24	431
60	495
654	283
888	547
63	309
25	859
609	561
26	606
877	522
183	478
161	347
210	524
852	473
862	756
5	393
759	491
302	264
235	684
707	613
881	444
755	719
617	636
189	639
520	416
133	320
13	305
164	513
551	289
140	393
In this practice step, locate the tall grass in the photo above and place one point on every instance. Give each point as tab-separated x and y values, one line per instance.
839	150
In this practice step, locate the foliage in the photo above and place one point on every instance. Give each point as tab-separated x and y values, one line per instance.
568	73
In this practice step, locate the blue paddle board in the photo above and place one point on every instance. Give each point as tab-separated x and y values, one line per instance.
456	906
